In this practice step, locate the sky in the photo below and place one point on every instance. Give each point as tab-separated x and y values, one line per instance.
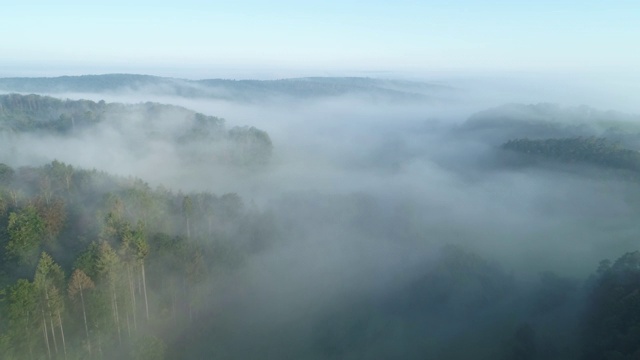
246	38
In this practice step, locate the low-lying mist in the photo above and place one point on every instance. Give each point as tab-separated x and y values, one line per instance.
365	198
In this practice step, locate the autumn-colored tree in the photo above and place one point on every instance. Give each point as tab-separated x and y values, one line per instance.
79	284
53	215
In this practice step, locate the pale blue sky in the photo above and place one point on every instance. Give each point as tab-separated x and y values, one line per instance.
184	37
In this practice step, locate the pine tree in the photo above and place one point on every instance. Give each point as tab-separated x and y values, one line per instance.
78	285
48	279
26	229
22	307
108	266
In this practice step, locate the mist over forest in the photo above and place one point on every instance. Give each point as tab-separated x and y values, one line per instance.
146	217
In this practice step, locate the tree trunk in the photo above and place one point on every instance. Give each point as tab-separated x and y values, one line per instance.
53	335
64	344
53	332
116	318
173	306
144	286
133	297
128	326
14	197
86	326
28	334
67	179
46	336
99	344
185	297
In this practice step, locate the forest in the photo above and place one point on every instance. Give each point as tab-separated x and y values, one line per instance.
596	151
239	146
355	229
98	266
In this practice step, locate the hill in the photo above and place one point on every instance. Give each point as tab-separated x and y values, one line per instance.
194	135
236	90
542	121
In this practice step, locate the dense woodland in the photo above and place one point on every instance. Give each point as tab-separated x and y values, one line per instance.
594	151
551	121
96	266
196	136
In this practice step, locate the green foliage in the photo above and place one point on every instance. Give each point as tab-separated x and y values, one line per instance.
20	113
22	306
6	174
612	318
26	230
596	151
105	230
465	276
199	138
551	120
254	146
87	260
107	263
48	273
523	344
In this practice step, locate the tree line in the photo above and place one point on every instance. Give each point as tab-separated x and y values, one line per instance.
586	150
196	136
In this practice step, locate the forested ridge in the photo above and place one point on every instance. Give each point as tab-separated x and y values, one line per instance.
595	151
552	121
233	90
36	112
194	135
95	266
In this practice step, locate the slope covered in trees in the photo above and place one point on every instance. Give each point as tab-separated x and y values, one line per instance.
95	266
194	135
541	121
612	319
594	151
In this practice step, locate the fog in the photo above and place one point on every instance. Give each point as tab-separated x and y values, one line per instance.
364	194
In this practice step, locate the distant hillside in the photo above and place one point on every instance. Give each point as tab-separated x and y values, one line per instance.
594	151
236	90
542	121
195	135
35	112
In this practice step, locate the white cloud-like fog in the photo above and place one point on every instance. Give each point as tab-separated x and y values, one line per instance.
396	153
366	193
